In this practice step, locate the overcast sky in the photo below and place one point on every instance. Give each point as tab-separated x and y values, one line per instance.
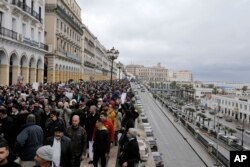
209	37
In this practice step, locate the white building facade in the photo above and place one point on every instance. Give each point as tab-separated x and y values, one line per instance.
22	47
235	107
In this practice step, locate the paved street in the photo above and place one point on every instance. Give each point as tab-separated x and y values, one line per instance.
176	151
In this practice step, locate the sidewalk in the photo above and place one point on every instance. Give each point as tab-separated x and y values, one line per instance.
111	161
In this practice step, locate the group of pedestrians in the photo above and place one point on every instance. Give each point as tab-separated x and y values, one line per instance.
61	124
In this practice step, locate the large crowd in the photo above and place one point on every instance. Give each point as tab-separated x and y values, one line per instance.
61	124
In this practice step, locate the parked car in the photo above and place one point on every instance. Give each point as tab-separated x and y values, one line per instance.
158	159
149	132
239	128
144	119
152	143
233	138
142	90
229	119
247	132
212	112
143	150
220	116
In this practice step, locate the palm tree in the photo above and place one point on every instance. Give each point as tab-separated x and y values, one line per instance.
208	120
244	88
215	90
199	114
203	118
191	110
225	130
232	131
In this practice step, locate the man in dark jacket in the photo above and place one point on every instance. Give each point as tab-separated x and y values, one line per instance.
78	137
61	146
101	144
130	155
53	122
28	141
90	126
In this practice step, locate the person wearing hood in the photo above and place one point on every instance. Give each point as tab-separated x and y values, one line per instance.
28	141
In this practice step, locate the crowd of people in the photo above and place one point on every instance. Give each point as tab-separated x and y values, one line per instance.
59	125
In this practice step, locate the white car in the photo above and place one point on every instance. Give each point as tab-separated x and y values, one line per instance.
143	150
247	132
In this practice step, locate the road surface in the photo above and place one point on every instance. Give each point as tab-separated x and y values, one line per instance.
176	151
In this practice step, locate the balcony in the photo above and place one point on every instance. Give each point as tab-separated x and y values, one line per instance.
35	44
25	8
74	57
89	64
70	20
8	33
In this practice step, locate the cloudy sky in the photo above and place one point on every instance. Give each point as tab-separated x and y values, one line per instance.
209	37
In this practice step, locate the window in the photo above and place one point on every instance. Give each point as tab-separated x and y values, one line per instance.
57	23
1	18
13	24
245	107
32	33
240	106
61	26
24	29
39	36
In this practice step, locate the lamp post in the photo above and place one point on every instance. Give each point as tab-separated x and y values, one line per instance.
242	141
112	55
119	65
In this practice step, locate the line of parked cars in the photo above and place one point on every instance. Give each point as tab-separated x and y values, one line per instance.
151	141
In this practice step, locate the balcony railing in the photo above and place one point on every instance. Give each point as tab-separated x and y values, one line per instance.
27	9
89	64
73	56
43	46
8	33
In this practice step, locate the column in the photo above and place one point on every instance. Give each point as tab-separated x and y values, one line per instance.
40	75
15	73
25	75
32	75
4	71
51	70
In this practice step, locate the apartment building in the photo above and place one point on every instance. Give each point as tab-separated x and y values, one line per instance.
64	31
22	47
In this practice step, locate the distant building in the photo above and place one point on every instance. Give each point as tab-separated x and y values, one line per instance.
235	107
151	74
181	76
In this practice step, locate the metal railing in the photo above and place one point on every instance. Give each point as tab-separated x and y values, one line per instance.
27	9
43	46
8	33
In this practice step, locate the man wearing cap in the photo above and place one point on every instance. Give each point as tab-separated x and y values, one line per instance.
61	146
44	157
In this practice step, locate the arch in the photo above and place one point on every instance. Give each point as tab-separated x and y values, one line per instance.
3	56
13	61
24	61
39	64
45	72
32	63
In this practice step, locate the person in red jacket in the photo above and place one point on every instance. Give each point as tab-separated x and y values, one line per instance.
108	124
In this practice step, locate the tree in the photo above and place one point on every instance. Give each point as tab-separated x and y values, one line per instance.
199	115
203	118
215	90
210	85
172	85
208	120
244	89
225	130
232	131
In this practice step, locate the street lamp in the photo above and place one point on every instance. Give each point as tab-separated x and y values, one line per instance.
119	65
112	55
